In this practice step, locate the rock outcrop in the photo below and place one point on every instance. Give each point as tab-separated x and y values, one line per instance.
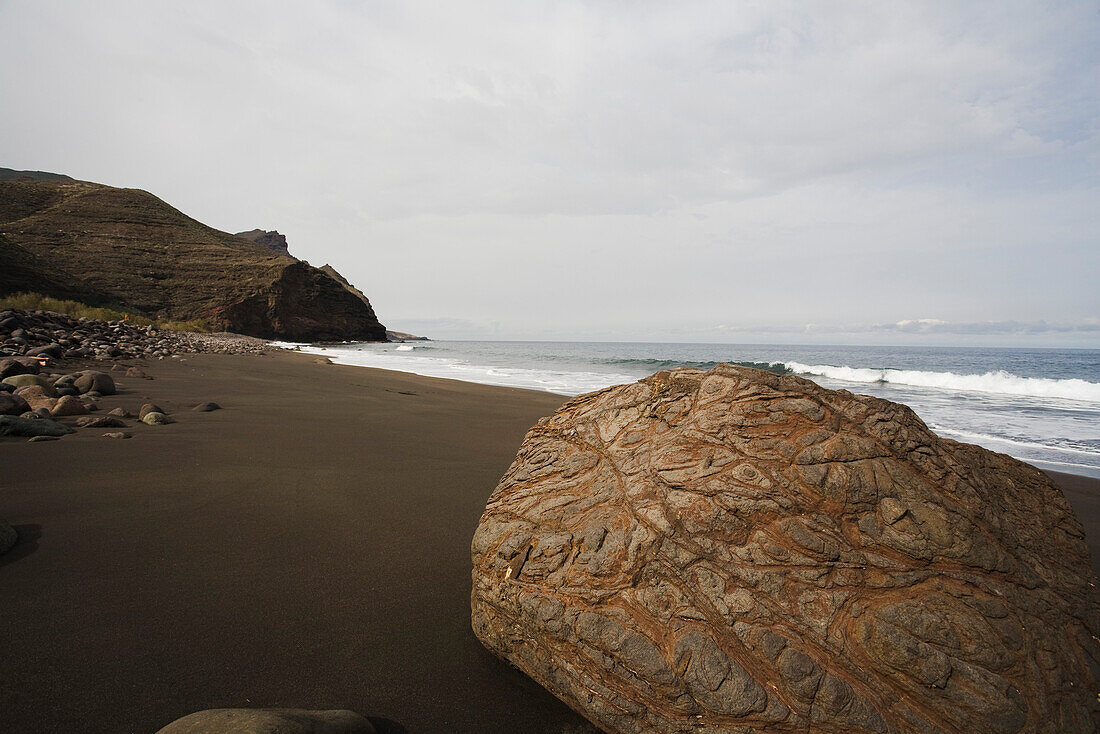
271	240
739	551
128	250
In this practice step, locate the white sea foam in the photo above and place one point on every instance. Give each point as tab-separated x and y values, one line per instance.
562	382
1003	383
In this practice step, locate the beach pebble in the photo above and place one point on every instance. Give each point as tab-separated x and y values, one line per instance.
137	372
118	434
103	421
68	405
270	721
206	407
8	537
153	418
120	413
149	408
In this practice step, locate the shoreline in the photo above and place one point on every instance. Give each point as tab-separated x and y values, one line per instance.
523	376
306	546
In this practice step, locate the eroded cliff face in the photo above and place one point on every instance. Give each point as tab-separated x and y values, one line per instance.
127	249
739	551
302	304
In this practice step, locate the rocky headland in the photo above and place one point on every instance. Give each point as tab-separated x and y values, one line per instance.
739	551
126	249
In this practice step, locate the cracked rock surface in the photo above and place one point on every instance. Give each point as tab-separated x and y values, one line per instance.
740	551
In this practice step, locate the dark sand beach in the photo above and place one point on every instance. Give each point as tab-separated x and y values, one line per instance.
306	546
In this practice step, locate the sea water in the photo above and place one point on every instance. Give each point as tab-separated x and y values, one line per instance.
1039	405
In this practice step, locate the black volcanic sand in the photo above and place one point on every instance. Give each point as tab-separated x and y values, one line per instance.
307	546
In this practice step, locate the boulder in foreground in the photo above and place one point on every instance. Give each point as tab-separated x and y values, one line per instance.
270	721
735	551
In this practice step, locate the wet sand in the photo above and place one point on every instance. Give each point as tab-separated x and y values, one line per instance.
307	546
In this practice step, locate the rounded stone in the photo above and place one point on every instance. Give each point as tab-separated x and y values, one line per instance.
12	404
148	408
69	405
154	418
95	381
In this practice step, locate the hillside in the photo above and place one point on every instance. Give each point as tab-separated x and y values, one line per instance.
127	249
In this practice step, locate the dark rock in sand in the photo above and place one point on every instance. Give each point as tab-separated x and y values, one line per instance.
37	439
93	381
118	434
12	404
120	413
103	421
8	537
68	405
740	551
270	721
149	408
11	425
137	372
206	407
153	418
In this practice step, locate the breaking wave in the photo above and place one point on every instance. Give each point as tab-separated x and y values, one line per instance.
1000	382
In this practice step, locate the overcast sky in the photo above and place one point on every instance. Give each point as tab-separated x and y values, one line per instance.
844	172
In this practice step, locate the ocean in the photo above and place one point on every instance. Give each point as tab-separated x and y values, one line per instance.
1039	405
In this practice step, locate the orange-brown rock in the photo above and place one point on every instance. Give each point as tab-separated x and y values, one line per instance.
739	551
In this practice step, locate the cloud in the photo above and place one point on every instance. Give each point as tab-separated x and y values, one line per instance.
600	167
937	326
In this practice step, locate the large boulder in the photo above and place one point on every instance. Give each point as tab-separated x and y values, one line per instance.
735	551
270	721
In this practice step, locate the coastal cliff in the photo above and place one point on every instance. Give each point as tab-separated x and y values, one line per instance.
127	249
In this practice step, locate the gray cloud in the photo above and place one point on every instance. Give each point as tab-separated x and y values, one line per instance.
598	168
